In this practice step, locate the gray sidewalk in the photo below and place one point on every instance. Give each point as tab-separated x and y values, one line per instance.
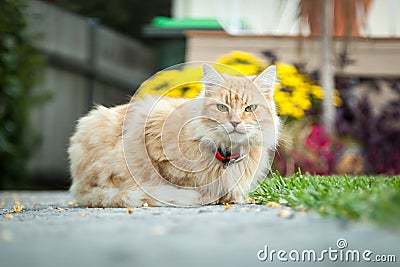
50	232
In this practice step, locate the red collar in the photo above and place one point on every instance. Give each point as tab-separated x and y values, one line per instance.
225	156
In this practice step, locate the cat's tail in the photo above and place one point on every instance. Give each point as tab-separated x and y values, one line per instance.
108	197
154	196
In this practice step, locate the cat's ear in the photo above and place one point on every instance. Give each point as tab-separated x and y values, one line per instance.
210	75
266	81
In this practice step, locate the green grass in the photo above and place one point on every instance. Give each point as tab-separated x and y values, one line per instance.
367	198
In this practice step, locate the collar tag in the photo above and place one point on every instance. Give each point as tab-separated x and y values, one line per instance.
232	161
227	158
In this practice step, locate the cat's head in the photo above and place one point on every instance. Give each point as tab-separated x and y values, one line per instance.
238	110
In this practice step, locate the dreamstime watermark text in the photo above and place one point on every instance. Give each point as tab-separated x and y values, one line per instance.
340	253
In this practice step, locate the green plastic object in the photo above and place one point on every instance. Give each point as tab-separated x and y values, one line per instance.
187	23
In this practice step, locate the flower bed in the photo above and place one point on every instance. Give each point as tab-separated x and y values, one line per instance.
305	143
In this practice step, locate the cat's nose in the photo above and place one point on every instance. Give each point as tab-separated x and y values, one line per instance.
235	123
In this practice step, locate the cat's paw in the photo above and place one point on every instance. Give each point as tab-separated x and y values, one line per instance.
174	196
185	197
232	197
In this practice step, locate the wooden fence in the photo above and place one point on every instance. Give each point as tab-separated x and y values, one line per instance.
86	64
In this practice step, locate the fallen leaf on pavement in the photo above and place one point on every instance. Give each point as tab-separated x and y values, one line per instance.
227	206
273	204
18	208
285	214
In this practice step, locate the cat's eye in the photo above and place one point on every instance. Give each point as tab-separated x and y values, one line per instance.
250	108
222	108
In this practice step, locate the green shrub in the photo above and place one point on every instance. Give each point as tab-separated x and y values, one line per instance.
20	68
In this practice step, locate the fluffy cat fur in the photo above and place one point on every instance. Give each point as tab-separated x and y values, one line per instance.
161	150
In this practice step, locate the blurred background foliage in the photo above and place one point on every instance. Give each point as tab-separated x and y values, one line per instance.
20	68
124	16
377	133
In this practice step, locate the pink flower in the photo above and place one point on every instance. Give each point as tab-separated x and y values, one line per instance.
318	138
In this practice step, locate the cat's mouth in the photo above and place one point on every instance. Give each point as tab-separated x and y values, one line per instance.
234	131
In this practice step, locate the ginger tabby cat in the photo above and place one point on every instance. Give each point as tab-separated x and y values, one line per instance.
174	151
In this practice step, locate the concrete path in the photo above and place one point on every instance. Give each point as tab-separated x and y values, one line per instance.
51	232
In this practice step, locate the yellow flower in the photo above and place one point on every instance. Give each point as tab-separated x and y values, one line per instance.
240	57
245	63
338	101
298	113
280	96
193	90
317	91
240	70
294	94
285	108
173	83
285	70
304	104
299	95
175	92
292	81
